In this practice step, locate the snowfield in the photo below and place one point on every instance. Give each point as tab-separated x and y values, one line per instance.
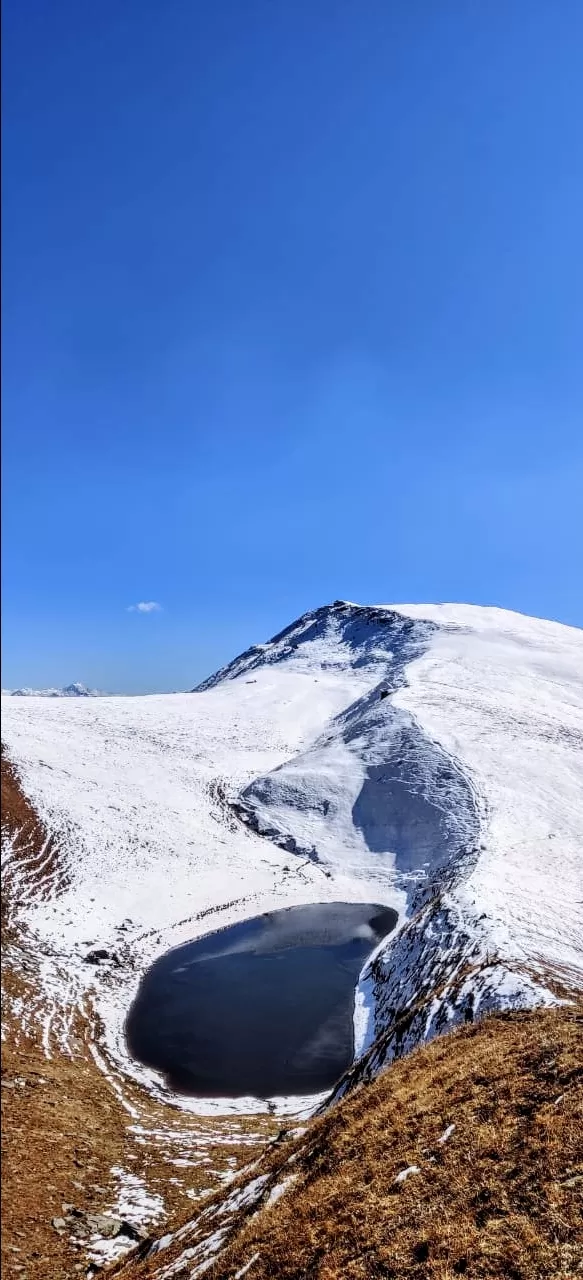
425	757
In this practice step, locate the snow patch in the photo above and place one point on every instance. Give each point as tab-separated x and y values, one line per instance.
406	1173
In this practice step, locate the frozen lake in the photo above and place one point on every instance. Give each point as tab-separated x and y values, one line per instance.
264	1007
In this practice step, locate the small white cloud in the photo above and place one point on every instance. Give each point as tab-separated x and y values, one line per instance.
145	606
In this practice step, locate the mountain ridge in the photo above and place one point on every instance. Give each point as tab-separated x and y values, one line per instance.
343	623
74	690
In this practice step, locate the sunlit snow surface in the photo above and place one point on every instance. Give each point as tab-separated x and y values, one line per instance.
424	757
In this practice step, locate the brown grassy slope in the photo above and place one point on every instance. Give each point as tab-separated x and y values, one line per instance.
63	1125
493	1200
60	1134
61	1130
501	1198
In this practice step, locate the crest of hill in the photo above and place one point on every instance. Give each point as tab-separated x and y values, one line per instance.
461	1159
338	636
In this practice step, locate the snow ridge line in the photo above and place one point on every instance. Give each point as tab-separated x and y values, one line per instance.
436	887
341	621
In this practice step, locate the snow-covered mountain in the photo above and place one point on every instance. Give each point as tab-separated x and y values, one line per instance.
425	757
69	691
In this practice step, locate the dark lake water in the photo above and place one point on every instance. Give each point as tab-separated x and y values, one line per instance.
264	1007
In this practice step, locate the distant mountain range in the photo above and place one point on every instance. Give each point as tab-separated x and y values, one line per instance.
76	690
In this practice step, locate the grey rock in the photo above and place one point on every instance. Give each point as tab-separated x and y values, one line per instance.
80	1227
134	1233
107	1226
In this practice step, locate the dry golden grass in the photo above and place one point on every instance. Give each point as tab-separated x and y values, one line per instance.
55	1113
500	1198
63	1125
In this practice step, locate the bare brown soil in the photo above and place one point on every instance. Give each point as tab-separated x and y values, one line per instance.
64	1125
501	1197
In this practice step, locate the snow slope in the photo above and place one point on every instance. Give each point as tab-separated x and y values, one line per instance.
427	757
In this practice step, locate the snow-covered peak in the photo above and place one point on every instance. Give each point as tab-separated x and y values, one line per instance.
337	637
78	690
345	635
75	690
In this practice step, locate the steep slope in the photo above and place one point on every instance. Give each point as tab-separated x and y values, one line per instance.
462	1159
338	637
467	782
108	1160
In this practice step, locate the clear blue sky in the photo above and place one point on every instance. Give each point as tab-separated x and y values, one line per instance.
292	310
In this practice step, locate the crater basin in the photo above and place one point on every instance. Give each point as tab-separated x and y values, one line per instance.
262	1008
